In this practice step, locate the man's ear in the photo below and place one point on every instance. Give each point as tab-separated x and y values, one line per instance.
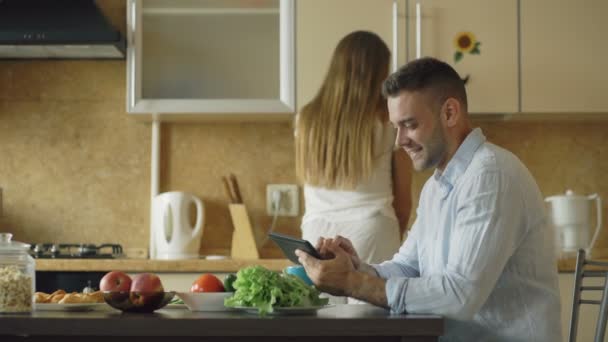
451	112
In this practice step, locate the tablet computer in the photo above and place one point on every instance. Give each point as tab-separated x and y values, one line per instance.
289	245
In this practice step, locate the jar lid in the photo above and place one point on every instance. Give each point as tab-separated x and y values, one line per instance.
7	245
570	195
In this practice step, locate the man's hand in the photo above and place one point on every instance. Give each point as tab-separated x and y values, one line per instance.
342	242
338	276
330	275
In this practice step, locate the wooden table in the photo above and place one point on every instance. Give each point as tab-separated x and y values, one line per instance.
355	322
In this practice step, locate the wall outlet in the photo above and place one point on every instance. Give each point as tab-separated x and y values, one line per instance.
289	204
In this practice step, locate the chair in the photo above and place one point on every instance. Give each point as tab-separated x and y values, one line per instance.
599	271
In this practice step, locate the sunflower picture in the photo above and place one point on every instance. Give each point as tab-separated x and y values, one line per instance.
465	42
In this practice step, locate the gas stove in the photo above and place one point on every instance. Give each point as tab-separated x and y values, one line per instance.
76	251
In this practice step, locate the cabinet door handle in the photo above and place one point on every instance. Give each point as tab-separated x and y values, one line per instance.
395	35
418	30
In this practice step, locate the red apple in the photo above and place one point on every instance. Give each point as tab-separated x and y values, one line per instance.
149	299
146	289
146	282
115	281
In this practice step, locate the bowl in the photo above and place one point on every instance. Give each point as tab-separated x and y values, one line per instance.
205	301
300	272
138	301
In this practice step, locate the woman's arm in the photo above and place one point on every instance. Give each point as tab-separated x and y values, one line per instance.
402	188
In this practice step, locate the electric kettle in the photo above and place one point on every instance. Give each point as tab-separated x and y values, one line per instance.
174	236
571	217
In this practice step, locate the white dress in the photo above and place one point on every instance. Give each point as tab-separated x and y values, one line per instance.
364	215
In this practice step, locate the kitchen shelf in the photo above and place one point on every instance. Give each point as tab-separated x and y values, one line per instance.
147	265
192	265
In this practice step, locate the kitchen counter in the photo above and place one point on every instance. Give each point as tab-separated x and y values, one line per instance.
567	264
360	322
147	265
192	265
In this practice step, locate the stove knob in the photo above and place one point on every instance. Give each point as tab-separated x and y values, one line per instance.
87	250
38	249
55	249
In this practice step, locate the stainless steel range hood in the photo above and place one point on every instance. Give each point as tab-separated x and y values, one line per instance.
64	29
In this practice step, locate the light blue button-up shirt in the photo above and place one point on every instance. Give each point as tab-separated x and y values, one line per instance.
480	253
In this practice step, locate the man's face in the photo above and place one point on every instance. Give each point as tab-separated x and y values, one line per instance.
419	130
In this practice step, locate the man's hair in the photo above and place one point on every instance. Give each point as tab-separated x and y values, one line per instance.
430	75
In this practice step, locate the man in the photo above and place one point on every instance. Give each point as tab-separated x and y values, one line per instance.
480	252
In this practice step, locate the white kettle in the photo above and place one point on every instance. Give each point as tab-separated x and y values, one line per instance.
174	237
571	217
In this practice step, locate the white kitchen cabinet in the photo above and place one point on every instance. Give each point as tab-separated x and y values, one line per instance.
492	85
218	59
322	23
564	56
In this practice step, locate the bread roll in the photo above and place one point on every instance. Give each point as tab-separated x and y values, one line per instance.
41	297
55	298
61	297
73	298
96	297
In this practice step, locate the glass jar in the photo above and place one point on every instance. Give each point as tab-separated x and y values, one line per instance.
17	276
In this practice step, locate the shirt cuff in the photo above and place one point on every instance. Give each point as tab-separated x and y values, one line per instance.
387	270
396	288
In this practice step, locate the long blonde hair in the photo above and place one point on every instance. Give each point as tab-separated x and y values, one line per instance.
335	131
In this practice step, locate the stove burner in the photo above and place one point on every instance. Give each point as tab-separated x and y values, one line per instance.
66	251
87	249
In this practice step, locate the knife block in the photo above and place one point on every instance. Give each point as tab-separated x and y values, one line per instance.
243	239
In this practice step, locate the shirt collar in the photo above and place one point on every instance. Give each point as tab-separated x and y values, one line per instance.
459	162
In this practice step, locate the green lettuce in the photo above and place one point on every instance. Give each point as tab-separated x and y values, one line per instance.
258	287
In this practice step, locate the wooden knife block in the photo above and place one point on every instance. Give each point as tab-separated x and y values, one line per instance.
243	239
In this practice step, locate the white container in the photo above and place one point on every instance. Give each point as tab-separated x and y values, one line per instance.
17	276
205	301
572	219
174	236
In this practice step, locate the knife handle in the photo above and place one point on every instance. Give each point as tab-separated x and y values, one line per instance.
228	189
235	188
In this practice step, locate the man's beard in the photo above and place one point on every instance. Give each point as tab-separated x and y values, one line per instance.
435	150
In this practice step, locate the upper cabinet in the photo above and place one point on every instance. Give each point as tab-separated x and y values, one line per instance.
479	39
201	59
322	23
564	56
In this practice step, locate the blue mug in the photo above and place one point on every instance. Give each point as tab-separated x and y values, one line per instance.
300	272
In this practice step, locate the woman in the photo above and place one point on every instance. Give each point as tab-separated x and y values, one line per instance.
355	183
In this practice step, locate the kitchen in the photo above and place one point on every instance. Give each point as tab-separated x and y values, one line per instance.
76	166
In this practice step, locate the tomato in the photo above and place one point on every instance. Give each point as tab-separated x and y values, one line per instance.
207	283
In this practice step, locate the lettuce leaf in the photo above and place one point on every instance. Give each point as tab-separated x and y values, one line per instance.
258	287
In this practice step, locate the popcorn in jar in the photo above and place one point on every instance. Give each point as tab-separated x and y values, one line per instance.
17	276
15	290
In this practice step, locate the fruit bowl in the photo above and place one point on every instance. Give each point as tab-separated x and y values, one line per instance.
138	301
205	301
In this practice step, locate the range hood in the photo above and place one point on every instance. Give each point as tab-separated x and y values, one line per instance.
64	29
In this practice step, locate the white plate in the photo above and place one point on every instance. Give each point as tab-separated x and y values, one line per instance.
70	307
295	310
